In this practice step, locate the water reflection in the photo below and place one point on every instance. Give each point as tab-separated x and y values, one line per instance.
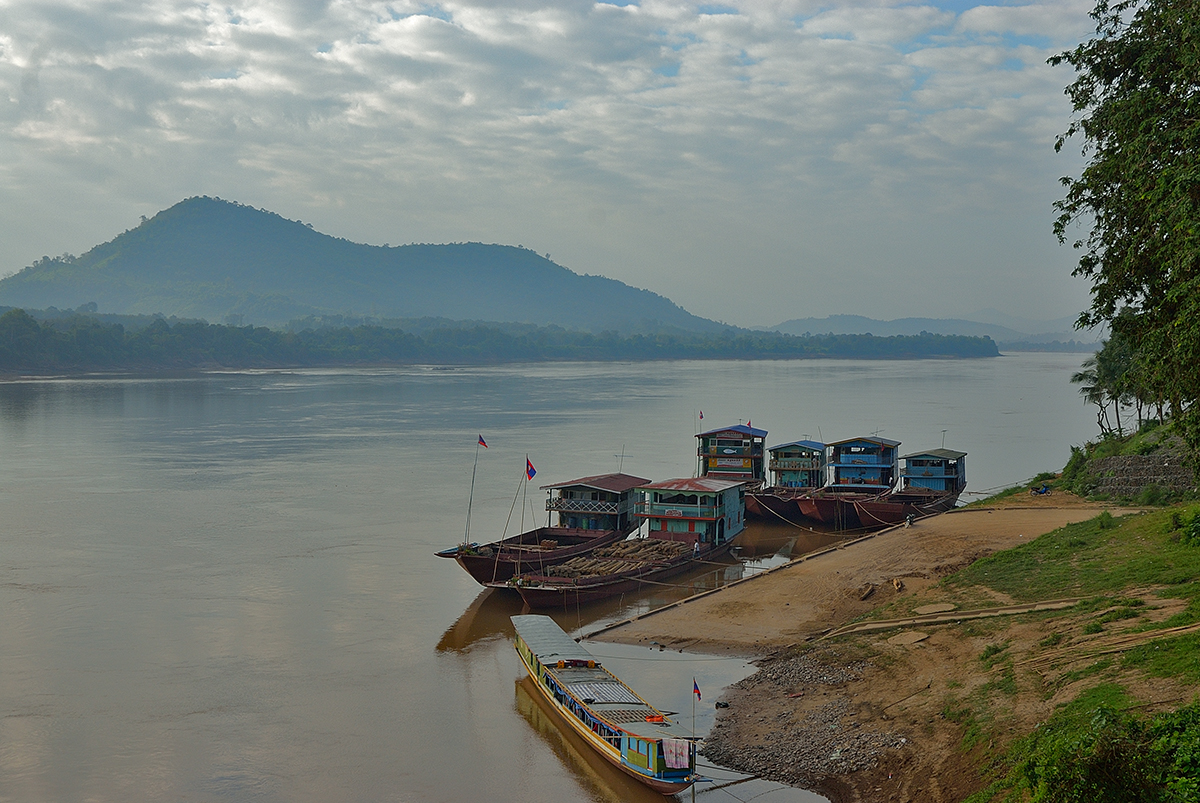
603	780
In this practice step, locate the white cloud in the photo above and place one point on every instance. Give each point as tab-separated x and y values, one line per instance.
800	153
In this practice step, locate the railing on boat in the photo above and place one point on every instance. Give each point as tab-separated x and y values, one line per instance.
582	506
675	510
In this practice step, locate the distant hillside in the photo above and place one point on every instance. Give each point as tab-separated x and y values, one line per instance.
208	258
1057	335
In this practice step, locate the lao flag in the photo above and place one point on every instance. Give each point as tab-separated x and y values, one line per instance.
529	469
482	442
695	689
701	415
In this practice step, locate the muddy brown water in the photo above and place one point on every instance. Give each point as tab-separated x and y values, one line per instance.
223	587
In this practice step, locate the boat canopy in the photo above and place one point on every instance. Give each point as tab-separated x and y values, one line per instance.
613	483
547	641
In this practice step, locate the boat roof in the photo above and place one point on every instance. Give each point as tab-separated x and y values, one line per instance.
547	641
700	484
610	699
742	428
868	439
806	444
616	483
945	454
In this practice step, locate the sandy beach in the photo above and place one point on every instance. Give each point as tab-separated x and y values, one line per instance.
861	718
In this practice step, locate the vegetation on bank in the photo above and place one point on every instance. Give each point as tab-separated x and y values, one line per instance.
1136	101
83	343
1097	747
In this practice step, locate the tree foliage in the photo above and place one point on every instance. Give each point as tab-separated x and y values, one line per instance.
1137	108
81	342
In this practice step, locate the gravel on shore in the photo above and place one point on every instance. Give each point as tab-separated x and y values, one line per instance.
798	745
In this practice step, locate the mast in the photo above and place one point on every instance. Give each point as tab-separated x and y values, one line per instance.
471	498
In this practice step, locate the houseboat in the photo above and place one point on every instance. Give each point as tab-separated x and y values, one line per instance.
732	453
930	482
613	719
592	512
796	469
857	468
689	521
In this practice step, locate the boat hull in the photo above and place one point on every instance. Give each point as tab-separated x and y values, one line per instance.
500	561
895	508
556	592
775	503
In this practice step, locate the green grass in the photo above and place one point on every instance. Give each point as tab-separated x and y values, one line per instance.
1098	556
1177	657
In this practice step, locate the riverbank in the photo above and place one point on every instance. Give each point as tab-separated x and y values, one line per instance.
912	713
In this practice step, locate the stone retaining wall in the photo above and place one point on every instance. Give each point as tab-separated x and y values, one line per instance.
1127	475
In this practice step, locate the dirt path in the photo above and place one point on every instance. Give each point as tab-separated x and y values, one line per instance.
810	597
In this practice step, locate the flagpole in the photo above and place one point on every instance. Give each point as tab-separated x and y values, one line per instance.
693	747
471	498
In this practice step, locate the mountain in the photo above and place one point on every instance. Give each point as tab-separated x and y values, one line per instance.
1031	333
209	258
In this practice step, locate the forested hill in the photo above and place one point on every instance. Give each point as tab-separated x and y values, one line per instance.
83	343
209	258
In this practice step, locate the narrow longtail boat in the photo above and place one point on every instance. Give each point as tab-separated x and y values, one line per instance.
930	483
612	718
593	512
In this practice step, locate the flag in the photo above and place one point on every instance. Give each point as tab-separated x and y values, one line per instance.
749	423
701	415
529	469
482	442
695	689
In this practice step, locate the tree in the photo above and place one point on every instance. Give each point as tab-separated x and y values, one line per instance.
1137	107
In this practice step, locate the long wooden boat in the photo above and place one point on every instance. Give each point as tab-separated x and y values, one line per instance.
608	571
896	507
533	550
612	718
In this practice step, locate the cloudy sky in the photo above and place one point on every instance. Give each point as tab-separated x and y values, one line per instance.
755	161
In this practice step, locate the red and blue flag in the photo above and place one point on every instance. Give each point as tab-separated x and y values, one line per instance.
696	688
701	415
529	469
482	442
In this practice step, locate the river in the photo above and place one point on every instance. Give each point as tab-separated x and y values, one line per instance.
223	587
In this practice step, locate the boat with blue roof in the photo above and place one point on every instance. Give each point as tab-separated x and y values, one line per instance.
631	734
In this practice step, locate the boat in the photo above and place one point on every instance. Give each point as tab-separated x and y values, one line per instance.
617	569
592	512
859	469
689	521
798	469
614	720
930	483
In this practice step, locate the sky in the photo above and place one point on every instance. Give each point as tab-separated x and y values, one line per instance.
754	161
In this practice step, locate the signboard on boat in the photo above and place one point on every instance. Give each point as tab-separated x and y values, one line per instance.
729	462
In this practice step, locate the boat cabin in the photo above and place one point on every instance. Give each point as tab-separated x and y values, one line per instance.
603	502
698	510
937	469
799	464
862	464
733	453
